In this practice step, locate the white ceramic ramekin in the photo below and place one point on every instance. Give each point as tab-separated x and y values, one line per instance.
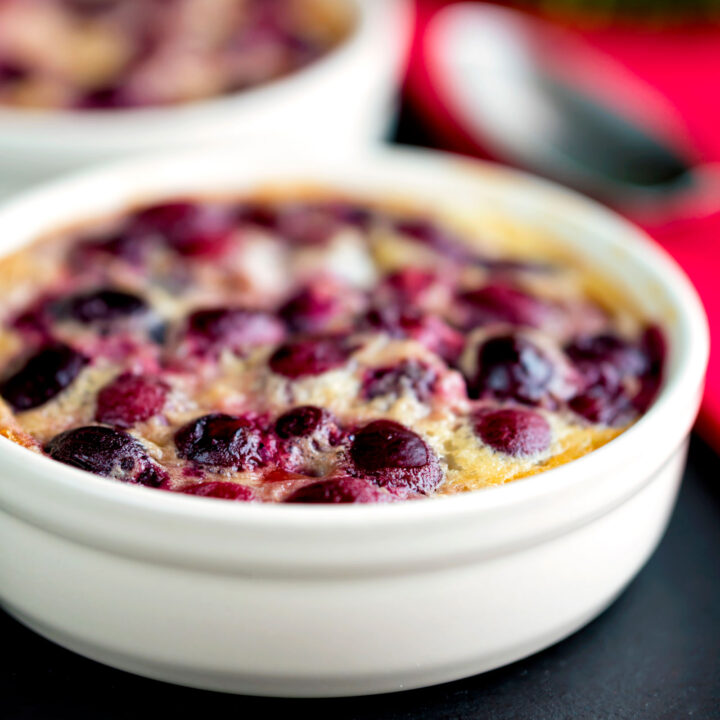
323	601
344	99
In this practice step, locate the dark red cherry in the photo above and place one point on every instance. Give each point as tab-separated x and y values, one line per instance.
649	387
151	475
393	319
514	431
225	441
436	238
504	304
257	215
302	224
589	352
130	399
101	306
12	72
352	215
654	348
189	228
395	457
310	356
235	329
306	224
429	330
305	434
606	362
409	284
299	422
311	310
124	244
603	404
35	321
603	398
167	218
339	490
44	375
408	376
388	444
438	337
512	368
109	97
107	452
221	490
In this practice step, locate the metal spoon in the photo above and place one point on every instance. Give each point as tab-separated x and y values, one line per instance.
499	81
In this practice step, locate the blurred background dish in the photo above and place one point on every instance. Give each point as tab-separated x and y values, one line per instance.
108	54
89	80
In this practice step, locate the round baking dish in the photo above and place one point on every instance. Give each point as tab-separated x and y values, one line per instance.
294	600
343	99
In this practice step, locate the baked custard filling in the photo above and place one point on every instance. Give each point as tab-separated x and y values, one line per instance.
306	347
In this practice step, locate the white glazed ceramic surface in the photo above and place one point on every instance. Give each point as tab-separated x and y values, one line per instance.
342	100
296	600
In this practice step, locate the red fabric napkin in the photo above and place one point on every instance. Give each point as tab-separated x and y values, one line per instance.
681	63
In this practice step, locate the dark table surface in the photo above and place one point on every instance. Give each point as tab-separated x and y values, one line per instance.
654	654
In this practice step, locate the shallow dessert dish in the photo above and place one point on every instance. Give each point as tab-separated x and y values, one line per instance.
86	80
338	357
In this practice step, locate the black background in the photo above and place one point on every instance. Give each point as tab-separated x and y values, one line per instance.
655	653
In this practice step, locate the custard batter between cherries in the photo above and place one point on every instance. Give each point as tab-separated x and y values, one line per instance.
311	348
